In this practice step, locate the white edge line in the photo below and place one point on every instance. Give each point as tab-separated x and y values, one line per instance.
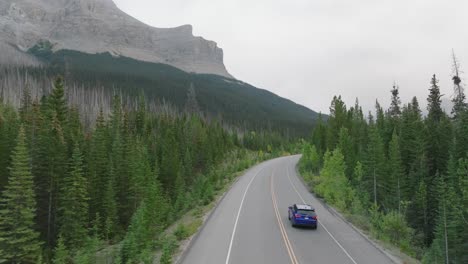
334	239
238	214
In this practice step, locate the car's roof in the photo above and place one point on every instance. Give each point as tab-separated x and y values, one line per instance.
304	207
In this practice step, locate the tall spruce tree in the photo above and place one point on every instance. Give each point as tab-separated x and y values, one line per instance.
319	135
18	237
8	130
337	119
395	110
98	168
73	203
438	140
375	166
346	146
396	174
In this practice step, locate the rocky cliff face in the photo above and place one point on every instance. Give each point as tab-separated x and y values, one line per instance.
96	26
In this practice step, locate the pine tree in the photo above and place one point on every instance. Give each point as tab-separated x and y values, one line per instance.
434	102
18	238
358	132
345	144
393	115
61	254
180	200
8	131
73	205
375	166
362	194
319	135
448	223
438	141
170	160
411	134
380	122
188	167
462	247
337	119
50	159
395	178
460	141
110	206
395	110
57	103
419	209
98	167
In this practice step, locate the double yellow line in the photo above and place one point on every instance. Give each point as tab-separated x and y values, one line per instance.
289	248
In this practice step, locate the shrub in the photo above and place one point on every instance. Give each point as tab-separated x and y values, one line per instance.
395	228
181	232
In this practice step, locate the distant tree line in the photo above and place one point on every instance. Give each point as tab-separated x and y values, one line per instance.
66	190
410	170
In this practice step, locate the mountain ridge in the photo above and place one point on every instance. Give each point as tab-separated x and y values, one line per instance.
98	26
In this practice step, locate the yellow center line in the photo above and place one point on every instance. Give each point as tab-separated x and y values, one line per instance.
287	243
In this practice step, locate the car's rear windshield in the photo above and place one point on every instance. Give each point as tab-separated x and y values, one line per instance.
306	212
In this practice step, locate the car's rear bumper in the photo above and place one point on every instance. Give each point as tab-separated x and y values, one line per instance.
305	223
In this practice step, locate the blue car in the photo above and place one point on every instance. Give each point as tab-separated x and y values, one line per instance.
302	215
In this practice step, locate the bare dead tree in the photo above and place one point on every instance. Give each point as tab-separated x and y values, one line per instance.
191	105
458	99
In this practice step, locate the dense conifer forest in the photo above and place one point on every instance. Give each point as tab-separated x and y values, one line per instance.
399	175
69	192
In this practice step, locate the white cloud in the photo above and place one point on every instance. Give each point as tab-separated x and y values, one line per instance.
310	50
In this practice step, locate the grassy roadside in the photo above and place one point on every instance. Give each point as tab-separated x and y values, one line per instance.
360	221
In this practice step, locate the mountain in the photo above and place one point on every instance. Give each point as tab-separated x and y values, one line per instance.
102	51
98	26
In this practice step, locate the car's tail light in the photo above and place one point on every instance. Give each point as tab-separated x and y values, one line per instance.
297	215
314	217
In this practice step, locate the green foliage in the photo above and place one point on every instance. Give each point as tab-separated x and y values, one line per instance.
124	178
310	160
408	169
375	165
87	254
61	254
181	232
166	257
168	250
18	239
396	175
73	206
395	228
334	186
8	133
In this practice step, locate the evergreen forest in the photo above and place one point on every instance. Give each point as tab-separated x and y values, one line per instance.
71	194
398	174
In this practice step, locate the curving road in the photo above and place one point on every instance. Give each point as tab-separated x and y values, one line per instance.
250	225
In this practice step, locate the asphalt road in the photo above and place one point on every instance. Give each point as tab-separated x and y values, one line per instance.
250	225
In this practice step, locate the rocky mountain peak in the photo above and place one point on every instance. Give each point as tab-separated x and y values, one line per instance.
97	26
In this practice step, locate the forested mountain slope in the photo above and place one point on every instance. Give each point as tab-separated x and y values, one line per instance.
233	101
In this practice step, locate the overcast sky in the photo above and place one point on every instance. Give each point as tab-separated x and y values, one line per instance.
310	50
